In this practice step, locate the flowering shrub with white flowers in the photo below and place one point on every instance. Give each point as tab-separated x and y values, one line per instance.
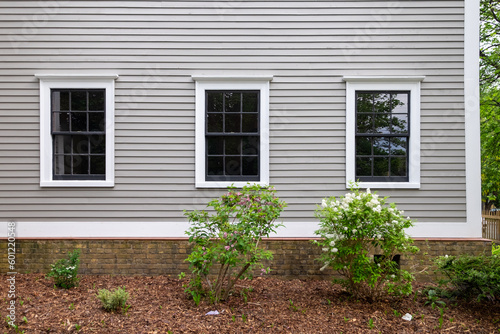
351	229
230	239
64	271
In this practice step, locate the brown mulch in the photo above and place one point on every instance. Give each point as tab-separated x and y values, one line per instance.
159	305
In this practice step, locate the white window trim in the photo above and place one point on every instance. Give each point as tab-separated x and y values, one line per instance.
410	83
204	83
50	81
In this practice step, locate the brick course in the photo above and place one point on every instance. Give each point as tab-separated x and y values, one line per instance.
293	258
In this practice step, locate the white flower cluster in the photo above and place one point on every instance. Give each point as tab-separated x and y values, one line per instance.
354	216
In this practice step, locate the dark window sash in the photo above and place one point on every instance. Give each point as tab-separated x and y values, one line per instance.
388	135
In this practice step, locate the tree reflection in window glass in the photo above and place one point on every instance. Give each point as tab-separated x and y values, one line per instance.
382	134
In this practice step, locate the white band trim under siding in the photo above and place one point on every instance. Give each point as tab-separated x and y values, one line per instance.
116	230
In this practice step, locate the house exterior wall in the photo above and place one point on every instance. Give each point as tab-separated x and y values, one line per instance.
155	47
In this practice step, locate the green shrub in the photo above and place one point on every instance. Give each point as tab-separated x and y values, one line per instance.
495	250
471	276
230	239
355	226
113	300
64	271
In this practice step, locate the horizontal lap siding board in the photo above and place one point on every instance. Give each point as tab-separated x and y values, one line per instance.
155	47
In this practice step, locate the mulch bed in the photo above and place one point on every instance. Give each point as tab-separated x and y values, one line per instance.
159	305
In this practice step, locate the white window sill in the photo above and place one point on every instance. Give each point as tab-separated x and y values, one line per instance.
82	183
388	185
225	184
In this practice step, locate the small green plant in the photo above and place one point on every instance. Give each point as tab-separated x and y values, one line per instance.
25	320
292	306
355	226
244	317
441	317
78	327
21	302
113	300
346	319
396	313
370	324
182	275
229	239
71	306
12	325
244	294
433	299
64	271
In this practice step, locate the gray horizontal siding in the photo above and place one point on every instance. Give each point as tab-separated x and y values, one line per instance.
155	47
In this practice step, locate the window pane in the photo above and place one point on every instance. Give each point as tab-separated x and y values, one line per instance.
214	123
97	164
398	145
96	100
382	102
60	100
364	123
215	146
233	145
81	144
60	121
363	167
381	146
398	166
250	102
382	123
250	123
233	166
250	145
79	121
250	166
399	123
380	166
400	103
80	164
232	123
233	102
363	146
364	102
79	100
215	166
64	101
214	102
98	144
96	121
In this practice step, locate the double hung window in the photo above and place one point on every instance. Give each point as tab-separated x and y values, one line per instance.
383	131
78	134
76	131
232	131
232	135
382	135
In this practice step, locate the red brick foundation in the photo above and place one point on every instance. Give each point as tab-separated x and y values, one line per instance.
293	258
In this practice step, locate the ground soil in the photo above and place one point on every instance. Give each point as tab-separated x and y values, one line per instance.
159	305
